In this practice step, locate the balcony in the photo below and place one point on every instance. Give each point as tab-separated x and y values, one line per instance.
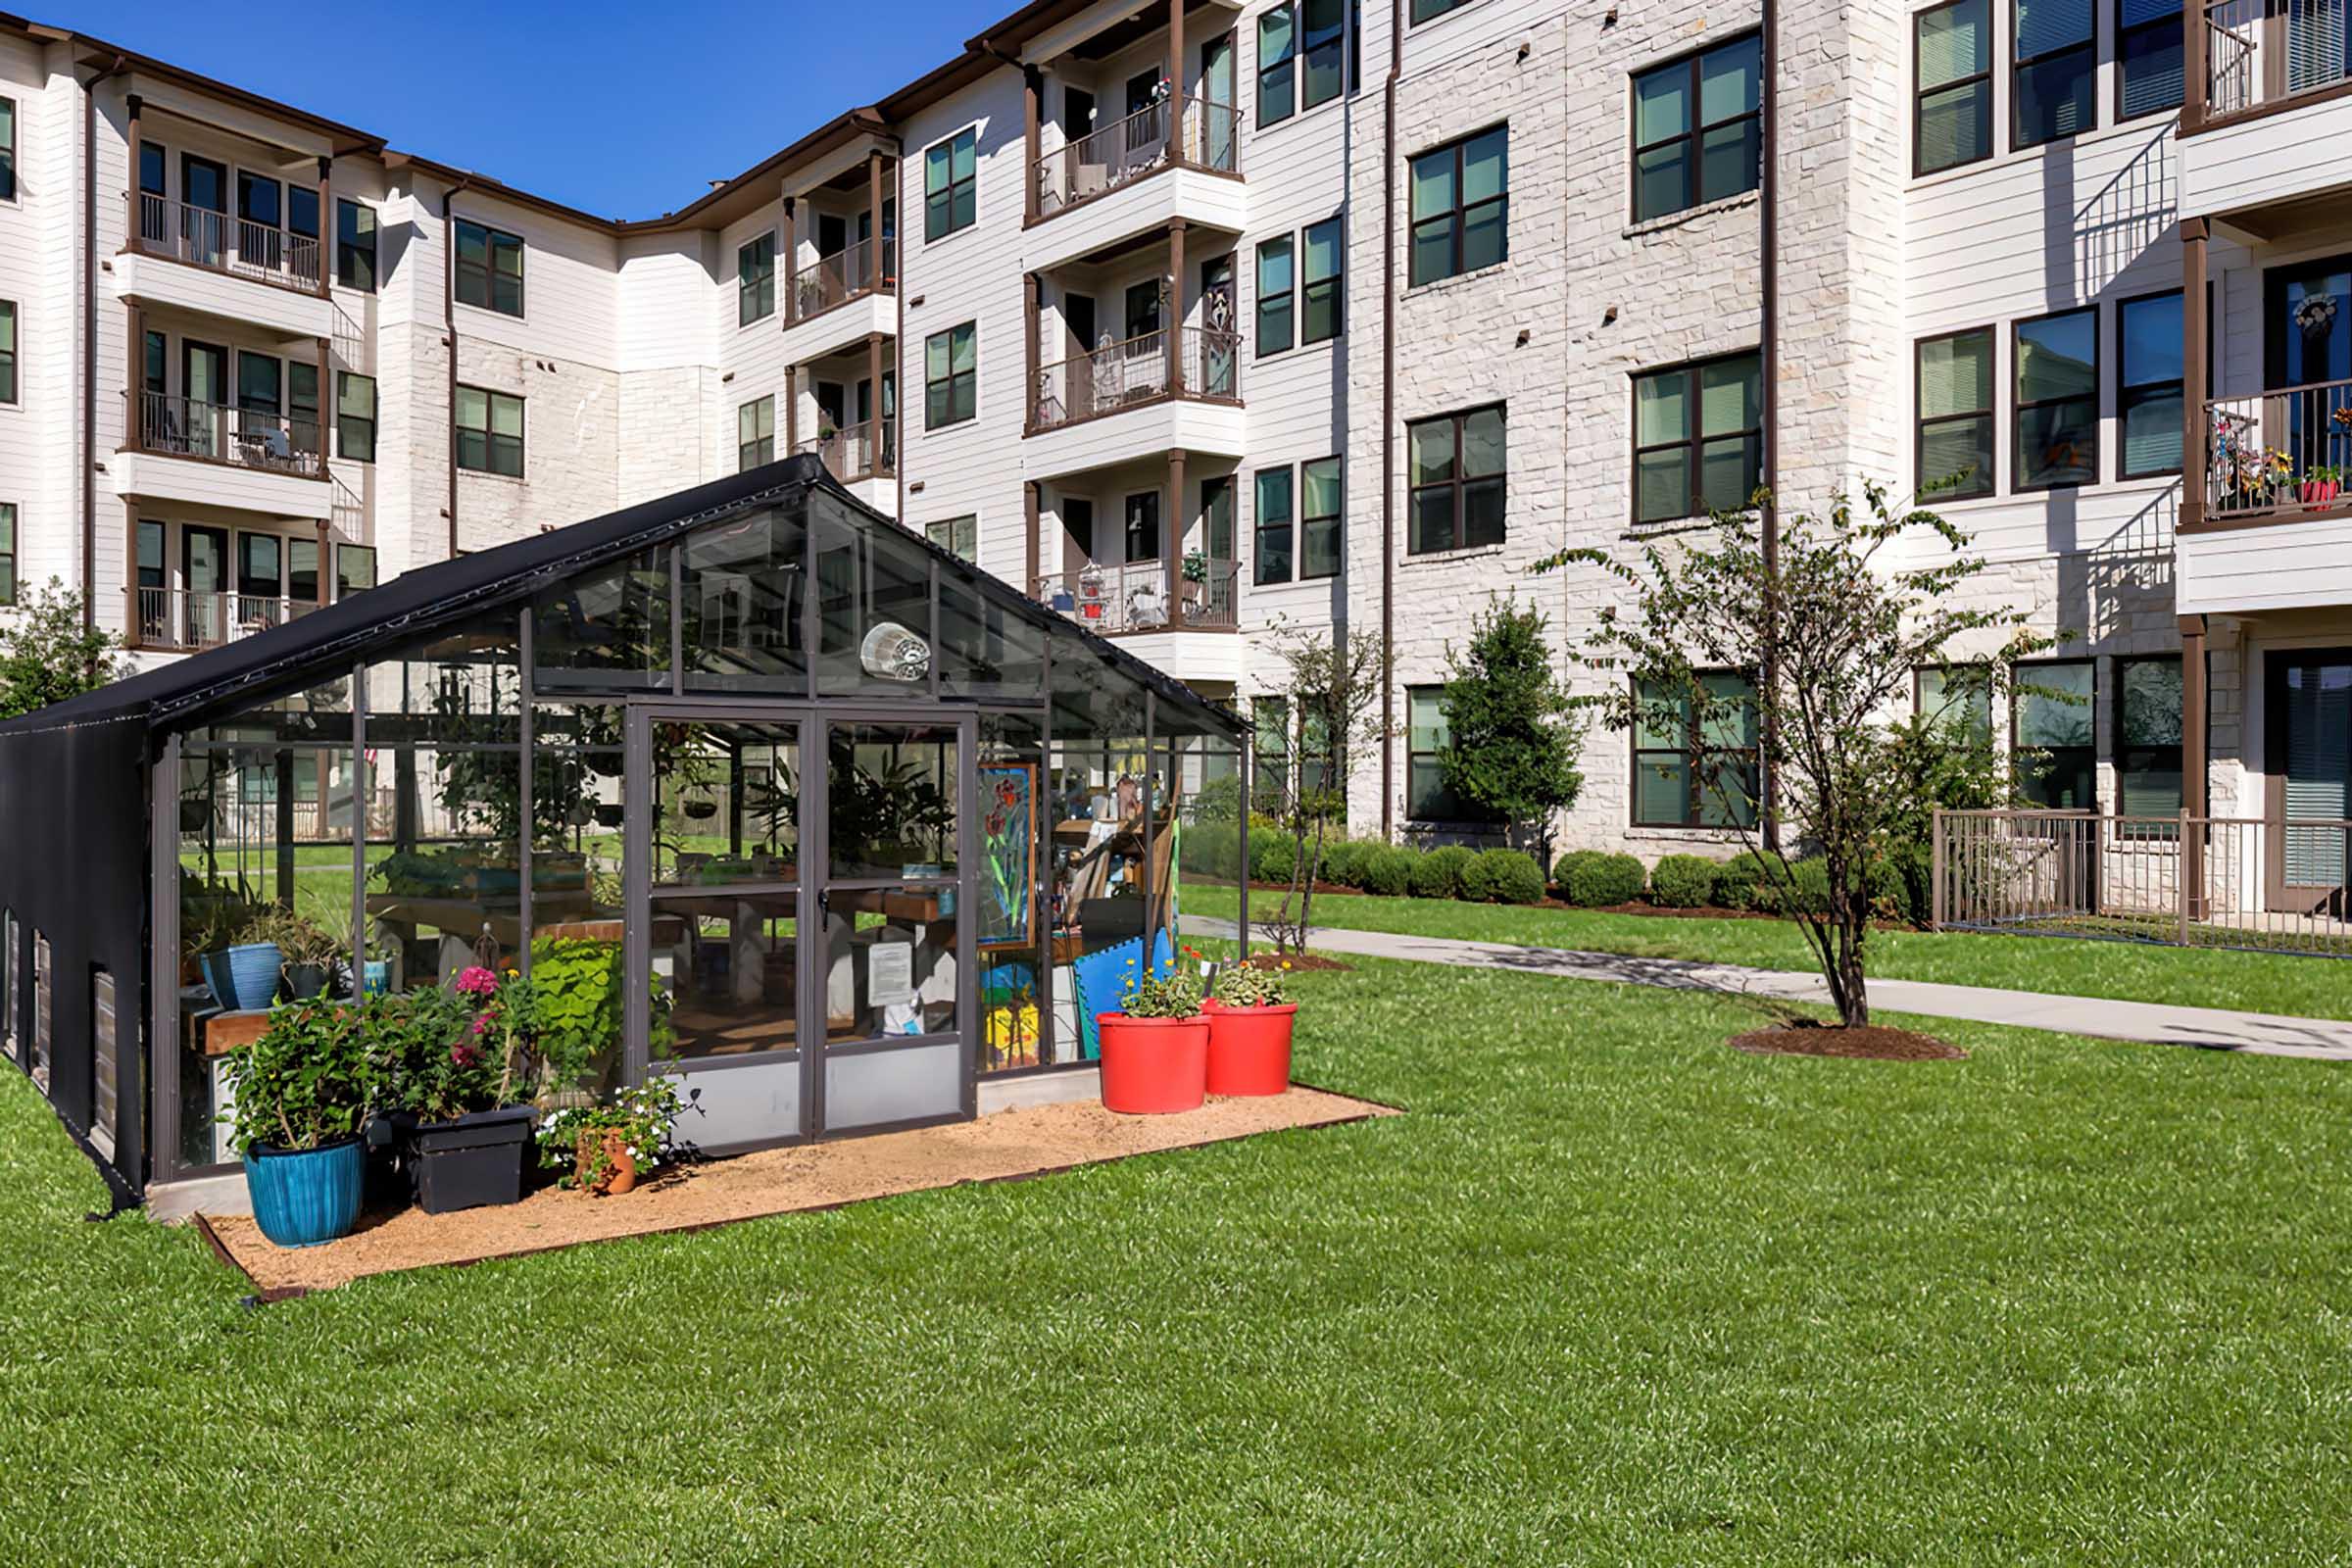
867	450
2275	107
181	620
194	259
847	274
1118	601
177	448
2275	528
1119	155
202	237
1125	375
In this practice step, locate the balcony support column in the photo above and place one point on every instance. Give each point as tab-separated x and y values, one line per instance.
873	241
1033	94
327	401
134	197
2193	744
1176	307
873	403
1033	545
792	411
1176	86
2196	436
1029	330
326	228
1173	541
2196	76
792	267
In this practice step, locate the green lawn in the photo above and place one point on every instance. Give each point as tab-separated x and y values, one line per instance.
1609	1293
2129	971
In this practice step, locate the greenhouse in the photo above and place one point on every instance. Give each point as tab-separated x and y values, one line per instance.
639	759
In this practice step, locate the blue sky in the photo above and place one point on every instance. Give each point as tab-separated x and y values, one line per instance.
524	91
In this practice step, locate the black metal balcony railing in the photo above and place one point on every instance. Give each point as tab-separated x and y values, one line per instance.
842	276
2265	51
1134	597
243	438
851	452
1125	151
183	620
1121	375
202	237
2284	451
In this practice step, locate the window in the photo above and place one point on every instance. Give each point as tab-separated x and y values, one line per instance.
42	979
8	350
1277	66
2057	404
1275	300
489	269
1320	525
302	572
1274	520
2051	713
1461	207
756	280
1954	443
302	405
489	431
756	433
2053	89
1143	527
1695	764
256	199
8	552
1430	10
951	376
355	569
355	415
1961	693
1323	44
1698	439
1319	281
2147	56
1454	464
302	214
355	246
2148	393
1951	122
8	148
258	381
951	185
957	536
1426	797
1270	719
1697	129
2148	757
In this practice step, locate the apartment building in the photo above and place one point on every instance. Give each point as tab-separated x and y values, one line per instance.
1199	321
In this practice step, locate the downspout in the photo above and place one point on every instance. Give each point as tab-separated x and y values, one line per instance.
1769	327
449	326
898	343
1387	424
89	341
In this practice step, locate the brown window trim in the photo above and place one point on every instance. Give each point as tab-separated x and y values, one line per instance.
973	180
949	381
745	288
2118	32
1752	434
2018	407
2018	66
1461	482
2124	388
1457	215
490	438
2021	675
1690	751
1688	59
1338	519
1918	423
1919	93
487	269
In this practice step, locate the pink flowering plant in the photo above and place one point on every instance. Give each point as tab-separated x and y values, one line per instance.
465	1049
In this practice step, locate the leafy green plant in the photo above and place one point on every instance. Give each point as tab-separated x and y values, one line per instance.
300	940
48	655
417	875
1439	874
1388	870
1244	985
1344	861
314	1076
1174	995
1511	732
577	988
1591	879
644	1115
1742	882
1502	876
1682	882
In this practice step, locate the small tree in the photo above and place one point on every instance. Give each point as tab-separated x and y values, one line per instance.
1848	625
1512	737
1335	689
47	655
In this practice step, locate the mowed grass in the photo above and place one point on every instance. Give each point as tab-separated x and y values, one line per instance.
1609	1292
2126	971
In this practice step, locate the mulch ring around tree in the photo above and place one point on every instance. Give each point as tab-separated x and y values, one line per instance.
1297	961
1869	1042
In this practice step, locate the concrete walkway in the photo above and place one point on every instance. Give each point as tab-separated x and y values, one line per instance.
2206	1028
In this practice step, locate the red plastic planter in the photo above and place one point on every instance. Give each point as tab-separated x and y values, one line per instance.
1153	1065
1250	1049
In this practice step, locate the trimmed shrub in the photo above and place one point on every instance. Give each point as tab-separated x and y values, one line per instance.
1388	870
1272	855
1742	882
1344	861
1603	880
1811	894
1209	848
1439	874
1502	876
1682	882
1561	867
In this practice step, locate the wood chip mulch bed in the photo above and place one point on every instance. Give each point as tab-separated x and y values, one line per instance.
1872	1043
1007	1146
1298	962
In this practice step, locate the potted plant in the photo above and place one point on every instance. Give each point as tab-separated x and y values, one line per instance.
2321	485
1156	1049
466	1082
309	951
303	1092
253	964
614	1142
1249	1020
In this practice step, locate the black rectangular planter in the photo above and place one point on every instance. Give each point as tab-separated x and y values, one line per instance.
471	1161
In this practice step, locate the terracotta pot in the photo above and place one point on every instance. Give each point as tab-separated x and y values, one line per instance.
1250	1049
620	1171
1152	1066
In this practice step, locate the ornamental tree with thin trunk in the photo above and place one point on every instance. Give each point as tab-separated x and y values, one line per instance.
47	655
1512	733
1851	619
1333	688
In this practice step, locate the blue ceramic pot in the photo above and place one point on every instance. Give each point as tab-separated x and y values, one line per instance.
377	976
253	971
304	1197
219	980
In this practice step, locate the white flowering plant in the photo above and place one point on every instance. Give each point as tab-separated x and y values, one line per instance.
642	1115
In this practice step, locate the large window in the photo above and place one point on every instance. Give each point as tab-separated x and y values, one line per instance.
8	350
756	433
951	376
355	415
1698	439
489	431
1430	10
2148	756
8	148
1143	527
1277	65
1320	528
2147	56
1277	300
1696	129
951	185
755	280
355	245
957	536
1426	797
1461	207
1955	416
1695	764
8	552
1952	115
2148	390
2052	715
355	569
1955	693
1455	465
1323	260
2053	92
2056	408
1274	521
489	269
1322	44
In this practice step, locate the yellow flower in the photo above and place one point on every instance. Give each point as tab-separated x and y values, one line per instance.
1285	964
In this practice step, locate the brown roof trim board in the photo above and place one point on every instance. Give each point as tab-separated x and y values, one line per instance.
713	207
486	185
